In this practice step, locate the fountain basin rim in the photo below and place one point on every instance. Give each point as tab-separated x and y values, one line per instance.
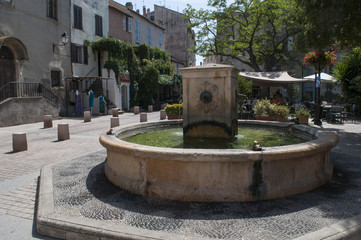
324	140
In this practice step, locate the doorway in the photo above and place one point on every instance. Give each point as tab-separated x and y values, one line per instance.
7	66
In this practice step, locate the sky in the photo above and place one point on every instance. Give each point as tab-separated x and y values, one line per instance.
176	5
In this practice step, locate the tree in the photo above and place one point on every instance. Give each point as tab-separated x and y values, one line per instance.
143	62
348	73
293	91
329	22
253	32
244	86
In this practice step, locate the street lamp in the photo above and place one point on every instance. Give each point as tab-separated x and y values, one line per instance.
64	41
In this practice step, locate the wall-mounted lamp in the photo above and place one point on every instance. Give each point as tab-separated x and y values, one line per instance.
64	40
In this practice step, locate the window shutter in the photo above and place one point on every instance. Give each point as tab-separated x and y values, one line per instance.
85	50
73	52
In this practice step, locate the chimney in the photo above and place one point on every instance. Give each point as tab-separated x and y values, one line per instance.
144	11
138	11
148	10
129	5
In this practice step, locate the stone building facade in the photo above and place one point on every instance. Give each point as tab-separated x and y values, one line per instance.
178	36
33	56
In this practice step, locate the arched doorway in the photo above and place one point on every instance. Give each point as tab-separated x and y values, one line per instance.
7	66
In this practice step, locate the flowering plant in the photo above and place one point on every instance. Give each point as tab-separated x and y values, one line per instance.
320	59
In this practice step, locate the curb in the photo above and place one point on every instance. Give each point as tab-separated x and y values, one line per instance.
349	229
52	224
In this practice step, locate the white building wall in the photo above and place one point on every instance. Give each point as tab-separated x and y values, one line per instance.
89	9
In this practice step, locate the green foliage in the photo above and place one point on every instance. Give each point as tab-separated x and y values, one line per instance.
303	112
293	91
252	32
264	107
329	22
348	73
174	109
244	85
144	63
279	112
148	84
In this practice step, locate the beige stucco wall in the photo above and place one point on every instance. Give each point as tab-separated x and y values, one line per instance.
116	26
27	21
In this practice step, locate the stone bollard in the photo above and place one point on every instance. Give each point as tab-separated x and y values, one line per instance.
63	131
87	117
114	122
163	115
136	109
19	142
48	121
150	108
143	117
115	112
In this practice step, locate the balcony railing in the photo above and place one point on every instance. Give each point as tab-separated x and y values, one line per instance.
27	89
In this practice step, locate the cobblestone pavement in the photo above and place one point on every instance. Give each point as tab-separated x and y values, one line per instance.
19	172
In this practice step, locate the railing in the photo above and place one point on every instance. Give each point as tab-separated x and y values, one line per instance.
27	89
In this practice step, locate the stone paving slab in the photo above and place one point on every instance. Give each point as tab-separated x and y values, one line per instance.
80	190
18	171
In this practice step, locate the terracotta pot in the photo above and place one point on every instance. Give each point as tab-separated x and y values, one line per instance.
303	119
264	118
173	116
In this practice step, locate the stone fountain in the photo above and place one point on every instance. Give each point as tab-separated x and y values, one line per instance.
210	101
216	175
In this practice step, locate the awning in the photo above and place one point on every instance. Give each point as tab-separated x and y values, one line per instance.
326	78
16	46
272	77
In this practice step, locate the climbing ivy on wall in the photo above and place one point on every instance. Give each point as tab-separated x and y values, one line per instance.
144	63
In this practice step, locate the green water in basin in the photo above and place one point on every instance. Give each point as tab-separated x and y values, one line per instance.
173	138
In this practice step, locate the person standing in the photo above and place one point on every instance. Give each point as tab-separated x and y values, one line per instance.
72	101
78	106
101	105
91	101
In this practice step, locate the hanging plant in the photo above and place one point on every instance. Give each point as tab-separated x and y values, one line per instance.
142	62
320	59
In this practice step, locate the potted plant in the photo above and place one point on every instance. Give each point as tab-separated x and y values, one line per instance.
262	110
174	111
303	114
279	112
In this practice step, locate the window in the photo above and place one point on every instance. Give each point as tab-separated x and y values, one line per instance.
98	25
124	23
150	36
78	17
160	38
51	9
79	54
137	31
55	78
130	24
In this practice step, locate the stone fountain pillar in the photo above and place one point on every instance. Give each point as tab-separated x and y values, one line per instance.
210	101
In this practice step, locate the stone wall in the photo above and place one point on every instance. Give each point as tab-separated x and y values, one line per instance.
15	111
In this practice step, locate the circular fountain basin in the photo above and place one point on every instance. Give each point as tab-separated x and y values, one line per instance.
218	175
